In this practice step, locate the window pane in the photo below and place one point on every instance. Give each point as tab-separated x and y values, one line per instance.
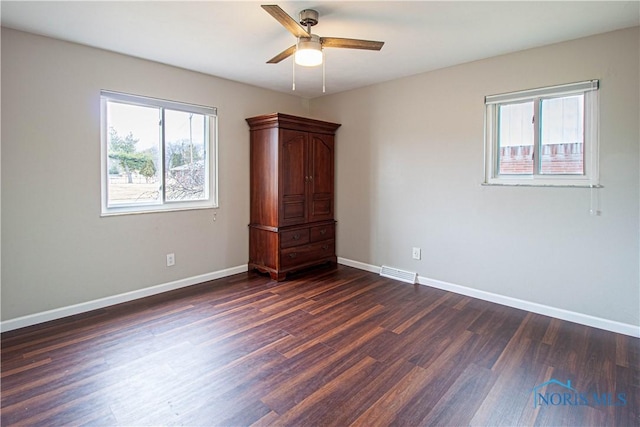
515	139
562	136
133	154
186	139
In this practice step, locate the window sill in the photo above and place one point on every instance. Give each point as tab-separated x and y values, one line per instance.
125	211
538	184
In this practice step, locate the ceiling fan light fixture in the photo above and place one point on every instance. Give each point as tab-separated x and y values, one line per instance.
309	51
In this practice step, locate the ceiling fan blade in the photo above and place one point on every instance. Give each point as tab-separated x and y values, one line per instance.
282	55
287	22
350	43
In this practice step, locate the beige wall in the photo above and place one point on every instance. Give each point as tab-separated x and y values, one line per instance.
410	164
409	167
56	249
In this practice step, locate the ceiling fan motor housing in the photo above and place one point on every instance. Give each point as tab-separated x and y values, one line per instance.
309	17
308	42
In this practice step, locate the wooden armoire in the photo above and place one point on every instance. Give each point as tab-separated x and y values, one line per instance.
292	192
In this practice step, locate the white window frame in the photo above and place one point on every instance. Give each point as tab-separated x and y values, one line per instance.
211	165
590	178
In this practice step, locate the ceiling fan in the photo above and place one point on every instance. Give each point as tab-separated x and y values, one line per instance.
308	50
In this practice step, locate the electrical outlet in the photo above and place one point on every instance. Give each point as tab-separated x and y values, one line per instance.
416	253
171	260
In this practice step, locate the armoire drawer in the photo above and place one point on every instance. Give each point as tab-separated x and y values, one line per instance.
299	255
294	238
322	232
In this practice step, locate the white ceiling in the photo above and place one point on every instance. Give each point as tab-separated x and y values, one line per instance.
234	39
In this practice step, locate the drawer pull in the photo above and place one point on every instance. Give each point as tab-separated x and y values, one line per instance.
323	231
296	237
325	247
293	255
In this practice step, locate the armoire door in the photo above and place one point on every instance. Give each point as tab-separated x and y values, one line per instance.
294	177
320	170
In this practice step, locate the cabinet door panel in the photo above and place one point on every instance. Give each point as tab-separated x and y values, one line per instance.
292	212
293	169
321	171
321	208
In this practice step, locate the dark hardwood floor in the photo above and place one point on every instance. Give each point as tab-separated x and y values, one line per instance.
329	347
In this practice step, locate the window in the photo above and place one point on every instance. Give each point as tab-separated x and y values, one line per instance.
546	136
157	155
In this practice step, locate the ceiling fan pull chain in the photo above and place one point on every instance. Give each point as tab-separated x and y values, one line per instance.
324	61
293	62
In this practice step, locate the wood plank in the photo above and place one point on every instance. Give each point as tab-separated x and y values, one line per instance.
331	347
471	388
